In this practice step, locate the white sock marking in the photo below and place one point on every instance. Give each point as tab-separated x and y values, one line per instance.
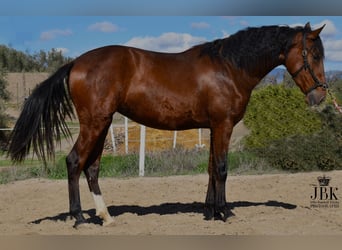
101	209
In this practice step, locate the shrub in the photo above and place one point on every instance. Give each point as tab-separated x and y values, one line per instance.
319	151
276	112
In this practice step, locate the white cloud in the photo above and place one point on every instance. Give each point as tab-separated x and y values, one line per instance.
63	50
225	33
335	56
106	27
296	24
333	44
329	29
52	34
200	25
167	42
333	50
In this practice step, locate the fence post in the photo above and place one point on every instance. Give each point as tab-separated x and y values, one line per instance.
174	139
126	135
142	151
200	137
113	138
199	145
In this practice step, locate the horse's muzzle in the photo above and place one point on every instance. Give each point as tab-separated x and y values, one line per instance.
315	97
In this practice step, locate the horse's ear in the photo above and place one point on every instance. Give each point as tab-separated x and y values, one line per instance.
307	26
315	33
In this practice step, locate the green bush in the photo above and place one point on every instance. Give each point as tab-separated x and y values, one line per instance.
289	135
319	151
276	112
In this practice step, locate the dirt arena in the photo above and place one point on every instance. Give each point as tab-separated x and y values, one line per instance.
276	204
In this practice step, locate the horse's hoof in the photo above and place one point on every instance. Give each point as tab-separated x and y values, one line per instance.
109	222
228	214
223	214
209	212
80	223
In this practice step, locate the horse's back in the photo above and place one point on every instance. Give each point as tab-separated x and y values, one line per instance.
160	90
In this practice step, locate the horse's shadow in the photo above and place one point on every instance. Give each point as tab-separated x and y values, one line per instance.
162	209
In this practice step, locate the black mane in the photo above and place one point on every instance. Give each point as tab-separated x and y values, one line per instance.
255	46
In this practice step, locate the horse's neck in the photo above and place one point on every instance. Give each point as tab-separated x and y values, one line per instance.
254	61
264	63
255	74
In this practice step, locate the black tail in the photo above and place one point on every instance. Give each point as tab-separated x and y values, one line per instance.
43	118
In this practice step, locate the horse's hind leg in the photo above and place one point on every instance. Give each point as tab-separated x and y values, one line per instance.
92	174
74	173
85	156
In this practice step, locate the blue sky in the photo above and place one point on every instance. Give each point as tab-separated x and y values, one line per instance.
174	7
116	7
75	35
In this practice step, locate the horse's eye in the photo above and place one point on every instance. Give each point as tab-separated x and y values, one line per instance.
316	57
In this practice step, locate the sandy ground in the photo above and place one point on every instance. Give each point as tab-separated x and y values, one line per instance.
263	205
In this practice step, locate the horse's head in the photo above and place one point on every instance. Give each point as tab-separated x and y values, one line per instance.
304	61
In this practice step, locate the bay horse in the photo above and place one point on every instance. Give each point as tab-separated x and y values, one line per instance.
206	86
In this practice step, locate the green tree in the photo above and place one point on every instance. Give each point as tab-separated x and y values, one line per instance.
17	61
40	58
55	59
4	96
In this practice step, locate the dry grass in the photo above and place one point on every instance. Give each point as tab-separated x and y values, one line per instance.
156	140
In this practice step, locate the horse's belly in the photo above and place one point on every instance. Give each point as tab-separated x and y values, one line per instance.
165	116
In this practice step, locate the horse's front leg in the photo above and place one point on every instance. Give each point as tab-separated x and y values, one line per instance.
215	204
